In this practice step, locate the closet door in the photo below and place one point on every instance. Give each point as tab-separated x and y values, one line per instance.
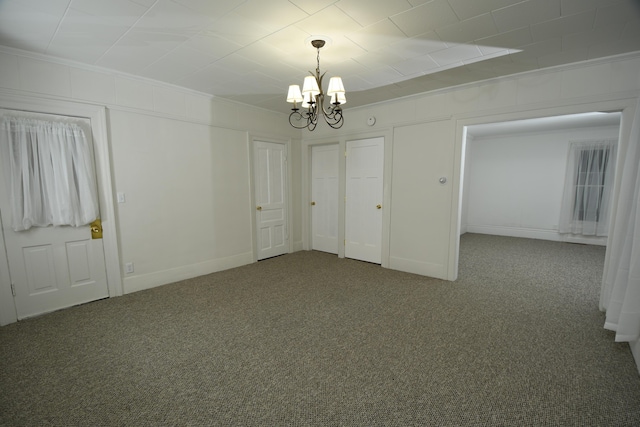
324	196
363	204
270	171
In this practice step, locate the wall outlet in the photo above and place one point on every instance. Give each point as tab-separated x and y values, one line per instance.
128	268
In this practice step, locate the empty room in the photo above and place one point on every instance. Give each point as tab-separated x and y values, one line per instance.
330	212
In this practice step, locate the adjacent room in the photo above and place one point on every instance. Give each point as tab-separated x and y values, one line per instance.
340	212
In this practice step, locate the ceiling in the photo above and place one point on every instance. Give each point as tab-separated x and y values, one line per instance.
251	50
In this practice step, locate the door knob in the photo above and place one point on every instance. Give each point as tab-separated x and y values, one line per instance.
259	208
378	206
313	203
96	229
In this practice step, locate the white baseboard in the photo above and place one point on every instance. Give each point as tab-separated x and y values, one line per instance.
635	350
297	246
532	233
159	278
422	268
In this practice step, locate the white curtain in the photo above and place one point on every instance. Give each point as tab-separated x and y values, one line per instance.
589	180
49	170
620	296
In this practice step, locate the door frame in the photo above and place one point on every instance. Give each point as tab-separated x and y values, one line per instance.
624	105
97	114
341	140
252	186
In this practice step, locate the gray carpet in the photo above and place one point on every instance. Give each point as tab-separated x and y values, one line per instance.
310	339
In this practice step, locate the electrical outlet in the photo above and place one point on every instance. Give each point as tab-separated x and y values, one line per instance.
128	268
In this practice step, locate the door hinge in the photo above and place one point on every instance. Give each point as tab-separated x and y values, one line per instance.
13	289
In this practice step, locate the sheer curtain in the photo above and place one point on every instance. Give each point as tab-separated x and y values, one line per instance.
588	185
620	296
49	169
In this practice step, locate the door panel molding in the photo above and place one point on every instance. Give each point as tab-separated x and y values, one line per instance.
272	207
364	199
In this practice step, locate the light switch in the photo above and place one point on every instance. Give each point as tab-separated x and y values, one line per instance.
121	198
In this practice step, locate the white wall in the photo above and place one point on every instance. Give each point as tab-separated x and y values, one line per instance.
157	132
515	182
428	128
181	158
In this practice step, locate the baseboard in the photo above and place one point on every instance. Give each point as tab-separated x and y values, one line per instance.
297	246
635	350
532	233
159	278
422	268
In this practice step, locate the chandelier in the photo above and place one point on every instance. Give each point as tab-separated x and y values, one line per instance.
312	99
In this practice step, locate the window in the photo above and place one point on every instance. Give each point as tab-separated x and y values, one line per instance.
589	184
585	208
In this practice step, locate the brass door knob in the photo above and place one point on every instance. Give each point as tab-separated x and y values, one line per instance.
259	208
378	206
96	229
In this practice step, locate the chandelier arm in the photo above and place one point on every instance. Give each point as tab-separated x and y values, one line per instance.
299	117
310	116
336	120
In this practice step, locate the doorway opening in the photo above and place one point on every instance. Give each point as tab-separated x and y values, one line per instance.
513	174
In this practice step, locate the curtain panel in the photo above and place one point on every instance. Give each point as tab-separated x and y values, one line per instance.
620	296
588	185
48	167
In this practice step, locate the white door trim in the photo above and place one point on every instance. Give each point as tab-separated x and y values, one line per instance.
287	142
98	116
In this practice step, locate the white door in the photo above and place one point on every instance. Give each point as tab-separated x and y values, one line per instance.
324	196
270	164
363	204
52	267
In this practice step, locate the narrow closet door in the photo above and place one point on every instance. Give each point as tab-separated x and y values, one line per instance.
364	191
324	194
270	171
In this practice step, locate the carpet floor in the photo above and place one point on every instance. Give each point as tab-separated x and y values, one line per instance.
311	339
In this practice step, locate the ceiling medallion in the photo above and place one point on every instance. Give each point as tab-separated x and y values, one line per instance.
312	99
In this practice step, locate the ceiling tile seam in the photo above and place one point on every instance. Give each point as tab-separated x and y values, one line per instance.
454	11
99	69
293	24
203	31
347	36
337	4
171	51
55	33
125	33
186	6
319	10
